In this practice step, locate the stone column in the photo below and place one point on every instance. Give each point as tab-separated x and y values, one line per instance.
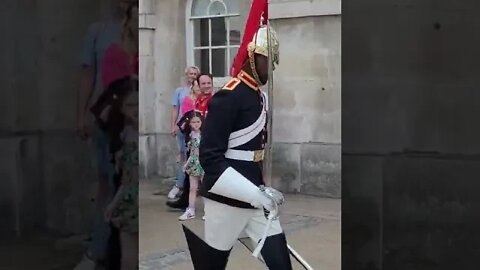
148	95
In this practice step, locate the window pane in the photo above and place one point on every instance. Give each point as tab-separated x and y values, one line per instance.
217	8
219	32
199	7
202	60
219	63
233	53
237	24
200	32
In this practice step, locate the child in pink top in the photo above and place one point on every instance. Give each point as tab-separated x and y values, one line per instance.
121	59
118	64
188	103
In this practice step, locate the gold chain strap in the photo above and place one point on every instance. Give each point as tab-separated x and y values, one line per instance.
251	58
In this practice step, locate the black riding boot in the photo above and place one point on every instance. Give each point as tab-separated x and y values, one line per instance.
205	257
275	253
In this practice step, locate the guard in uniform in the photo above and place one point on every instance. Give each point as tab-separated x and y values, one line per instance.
233	142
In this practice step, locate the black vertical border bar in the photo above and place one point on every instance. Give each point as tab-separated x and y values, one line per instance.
411	153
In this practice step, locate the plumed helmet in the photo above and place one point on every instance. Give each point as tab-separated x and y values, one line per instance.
259	43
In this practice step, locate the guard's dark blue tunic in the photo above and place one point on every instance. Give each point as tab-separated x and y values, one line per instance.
236	106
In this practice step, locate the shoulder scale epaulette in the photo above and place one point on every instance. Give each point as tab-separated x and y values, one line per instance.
231	84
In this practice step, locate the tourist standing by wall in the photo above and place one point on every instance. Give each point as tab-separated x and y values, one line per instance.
100	36
177	100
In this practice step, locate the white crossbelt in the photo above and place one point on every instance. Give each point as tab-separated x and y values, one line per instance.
245	135
245	155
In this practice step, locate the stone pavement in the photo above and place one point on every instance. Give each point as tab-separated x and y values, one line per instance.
312	226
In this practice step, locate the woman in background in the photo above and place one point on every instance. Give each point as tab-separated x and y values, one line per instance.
188	103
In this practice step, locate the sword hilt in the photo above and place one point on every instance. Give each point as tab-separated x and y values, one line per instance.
278	200
276	197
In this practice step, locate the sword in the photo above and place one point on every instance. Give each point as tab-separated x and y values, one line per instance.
299	258
267	168
279	200
245	242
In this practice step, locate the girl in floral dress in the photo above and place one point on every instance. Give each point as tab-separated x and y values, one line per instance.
123	209
192	167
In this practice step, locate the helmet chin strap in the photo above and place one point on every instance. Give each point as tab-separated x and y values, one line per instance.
251	58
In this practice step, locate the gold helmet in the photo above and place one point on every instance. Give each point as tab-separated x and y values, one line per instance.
259	45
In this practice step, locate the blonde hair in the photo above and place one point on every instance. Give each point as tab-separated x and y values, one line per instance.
191	67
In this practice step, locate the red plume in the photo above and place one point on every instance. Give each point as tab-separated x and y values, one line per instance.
259	8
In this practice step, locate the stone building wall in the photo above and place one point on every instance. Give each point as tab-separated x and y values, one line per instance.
47	174
163	62
412	158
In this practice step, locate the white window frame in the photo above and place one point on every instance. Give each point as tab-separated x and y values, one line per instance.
217	81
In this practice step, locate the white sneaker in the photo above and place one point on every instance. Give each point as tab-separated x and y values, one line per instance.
173	193
85	264
203	218
189	214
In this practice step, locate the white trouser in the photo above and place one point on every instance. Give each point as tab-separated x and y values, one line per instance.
224	224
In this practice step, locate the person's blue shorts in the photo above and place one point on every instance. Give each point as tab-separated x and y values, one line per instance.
181	143
180	177
102	148
101	231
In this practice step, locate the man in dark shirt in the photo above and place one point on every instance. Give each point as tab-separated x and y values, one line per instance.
232	147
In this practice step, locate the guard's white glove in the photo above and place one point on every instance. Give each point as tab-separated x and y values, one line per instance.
274	194
262	201
268	198
276	197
